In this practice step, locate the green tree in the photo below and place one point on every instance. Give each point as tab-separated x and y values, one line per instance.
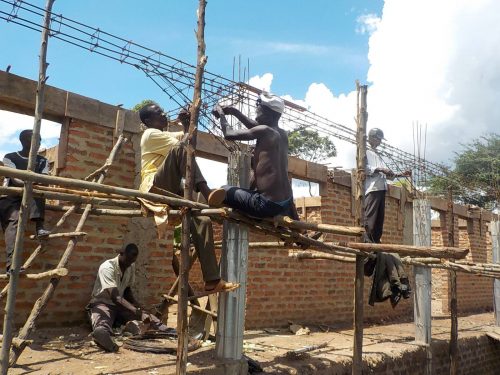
476	176
142	104
309	145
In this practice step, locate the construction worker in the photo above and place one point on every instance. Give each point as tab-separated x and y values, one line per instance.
163	165
273	194
11	205
377	173
112	299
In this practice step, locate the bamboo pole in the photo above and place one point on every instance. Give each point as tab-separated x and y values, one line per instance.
27	196
40	304
182	323
42	275
362	118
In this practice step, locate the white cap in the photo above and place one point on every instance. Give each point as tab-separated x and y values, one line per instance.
272	102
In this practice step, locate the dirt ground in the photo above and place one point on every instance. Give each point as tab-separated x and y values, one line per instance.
71	351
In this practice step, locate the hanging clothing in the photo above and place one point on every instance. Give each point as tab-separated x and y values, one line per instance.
389	279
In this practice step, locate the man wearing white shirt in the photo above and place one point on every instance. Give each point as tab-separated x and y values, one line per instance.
112	298
376	186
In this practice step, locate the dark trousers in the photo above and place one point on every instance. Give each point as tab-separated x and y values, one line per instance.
374	215
253	203
9	218
104	316
168	177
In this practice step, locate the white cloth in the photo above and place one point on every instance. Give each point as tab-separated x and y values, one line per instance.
110	276
272	102
375	181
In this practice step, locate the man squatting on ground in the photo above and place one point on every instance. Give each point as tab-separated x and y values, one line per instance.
376	186
270	193
163	165
11	205
112	299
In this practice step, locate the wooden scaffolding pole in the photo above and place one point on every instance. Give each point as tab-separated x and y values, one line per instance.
362	118
73	182
27	196
40	304
182	305
453	288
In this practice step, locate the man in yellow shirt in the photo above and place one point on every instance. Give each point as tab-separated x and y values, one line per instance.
163	165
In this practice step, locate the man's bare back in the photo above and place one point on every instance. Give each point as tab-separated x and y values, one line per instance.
271	165
270	193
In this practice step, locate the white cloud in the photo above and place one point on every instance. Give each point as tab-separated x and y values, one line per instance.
262	82
11	124
435	63
367	23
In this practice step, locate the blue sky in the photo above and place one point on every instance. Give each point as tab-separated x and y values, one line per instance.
426	62
299	42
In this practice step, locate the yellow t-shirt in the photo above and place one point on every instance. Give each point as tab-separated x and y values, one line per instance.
155	145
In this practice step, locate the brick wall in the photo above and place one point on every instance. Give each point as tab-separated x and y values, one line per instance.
474	293
88	147
280	288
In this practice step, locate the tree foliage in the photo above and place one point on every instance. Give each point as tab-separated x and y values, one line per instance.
476	176
138	106
309	145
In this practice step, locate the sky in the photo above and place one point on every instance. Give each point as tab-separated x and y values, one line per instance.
433	63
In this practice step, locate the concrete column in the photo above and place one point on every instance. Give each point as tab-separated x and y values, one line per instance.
422	295
234	259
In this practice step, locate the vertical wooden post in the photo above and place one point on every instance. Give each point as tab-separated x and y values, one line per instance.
27	194
182	319
453	288
362	118
231	312
422	296
495	244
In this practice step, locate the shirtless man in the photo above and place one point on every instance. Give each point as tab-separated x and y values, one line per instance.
272	194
